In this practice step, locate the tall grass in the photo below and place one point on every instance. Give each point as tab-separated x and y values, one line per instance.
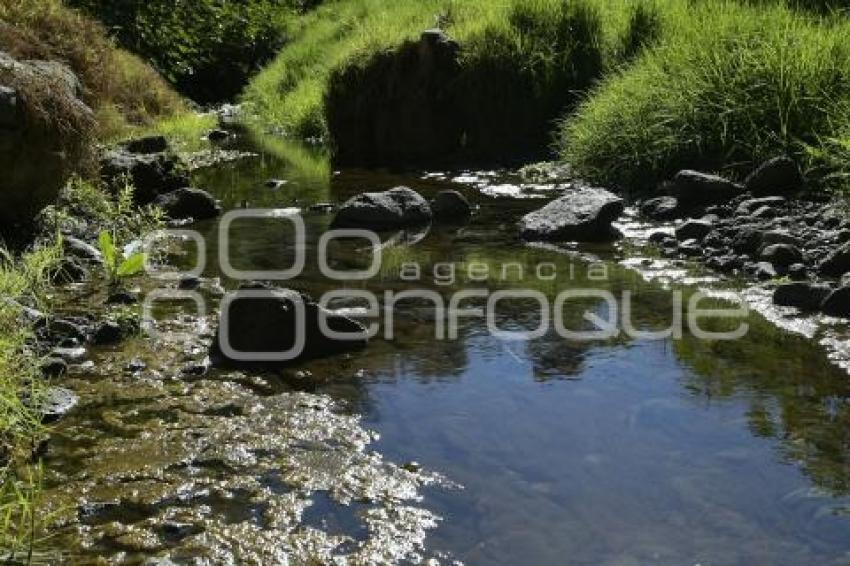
727	86
120	87
21	386
520	38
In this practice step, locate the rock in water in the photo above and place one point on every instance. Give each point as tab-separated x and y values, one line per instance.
450	205
56	403
188	203
660	208
804	296
693	230
781	256
838	303
152	174
258	321
775	176
396	208
700	189
583	215
837	263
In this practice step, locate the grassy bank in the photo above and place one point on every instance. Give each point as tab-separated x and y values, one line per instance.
662	84
725	86
124	91
520	62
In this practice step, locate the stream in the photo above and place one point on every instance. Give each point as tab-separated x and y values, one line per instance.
479	449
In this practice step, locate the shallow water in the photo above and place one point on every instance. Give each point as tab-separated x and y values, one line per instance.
546	451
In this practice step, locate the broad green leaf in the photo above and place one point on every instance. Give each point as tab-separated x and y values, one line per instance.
132	265
107	248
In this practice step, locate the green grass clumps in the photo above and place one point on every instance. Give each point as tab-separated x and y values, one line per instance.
725	86
528	57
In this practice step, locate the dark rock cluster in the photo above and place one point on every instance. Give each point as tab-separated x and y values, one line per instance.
758	230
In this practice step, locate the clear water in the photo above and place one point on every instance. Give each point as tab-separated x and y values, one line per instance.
614	452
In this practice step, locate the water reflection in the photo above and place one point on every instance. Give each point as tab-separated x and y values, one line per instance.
657	453
616	451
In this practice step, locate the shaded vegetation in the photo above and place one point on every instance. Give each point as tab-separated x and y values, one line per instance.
208	49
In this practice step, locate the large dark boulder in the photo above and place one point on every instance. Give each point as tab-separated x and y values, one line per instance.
584	214
398	108
693	230
804	296
837	303
781	256
45	135
268	323
152	174
837	263
397	208
701	189
775	176
660	208
188	203
146	145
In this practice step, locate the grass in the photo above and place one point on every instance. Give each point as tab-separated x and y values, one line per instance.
725	87
121	88
541	51
660	84
24	279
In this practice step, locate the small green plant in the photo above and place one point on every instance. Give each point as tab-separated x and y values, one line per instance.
117	266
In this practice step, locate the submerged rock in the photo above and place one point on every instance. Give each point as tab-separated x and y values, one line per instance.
584	214
108	332
259	323
775	176
56	403
188	203
397	208
699	189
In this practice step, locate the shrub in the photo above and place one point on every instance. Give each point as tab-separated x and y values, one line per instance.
727	86
206	48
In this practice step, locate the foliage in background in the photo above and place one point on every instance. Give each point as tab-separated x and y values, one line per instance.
120	87
206	48
726	86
